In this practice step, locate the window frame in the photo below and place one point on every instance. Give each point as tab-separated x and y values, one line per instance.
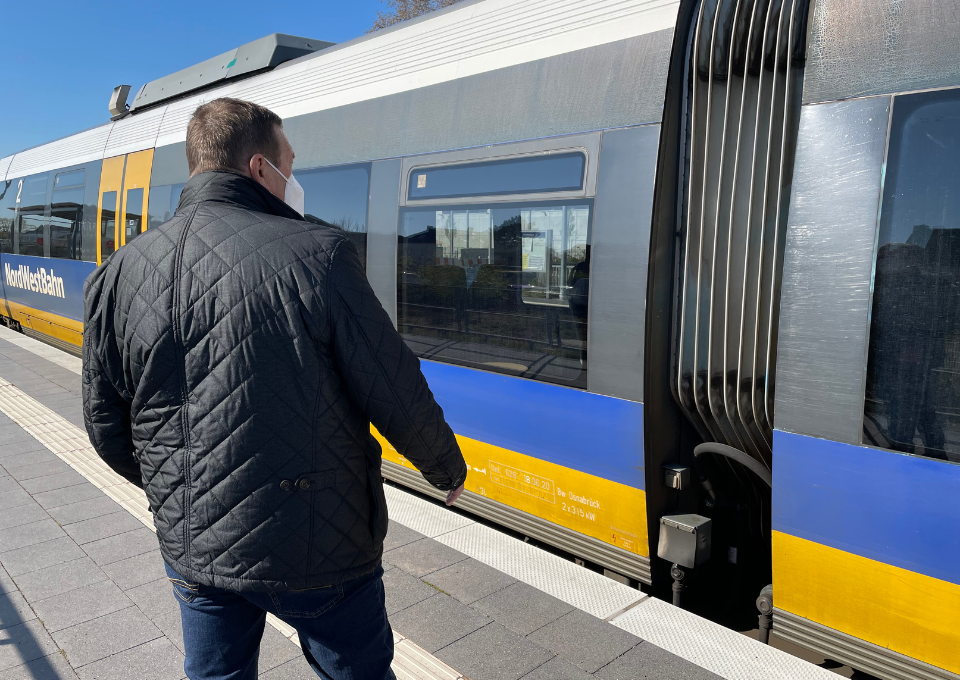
587	143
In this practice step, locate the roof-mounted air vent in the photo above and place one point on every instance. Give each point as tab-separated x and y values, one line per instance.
259	55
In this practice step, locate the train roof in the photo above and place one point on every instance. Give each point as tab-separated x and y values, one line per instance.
466	39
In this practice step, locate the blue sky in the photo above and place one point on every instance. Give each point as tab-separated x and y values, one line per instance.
62	59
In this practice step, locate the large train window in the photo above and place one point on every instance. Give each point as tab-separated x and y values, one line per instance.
339	196
163	203
31	215
8	212
525	175
501	287
66	215
913	371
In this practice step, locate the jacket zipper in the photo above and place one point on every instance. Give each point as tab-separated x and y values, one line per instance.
182	375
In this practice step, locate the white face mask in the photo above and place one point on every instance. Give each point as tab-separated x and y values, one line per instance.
293	193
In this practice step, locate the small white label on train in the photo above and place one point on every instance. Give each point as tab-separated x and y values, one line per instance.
38	280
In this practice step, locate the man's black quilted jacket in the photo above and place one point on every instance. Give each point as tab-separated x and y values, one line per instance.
233	360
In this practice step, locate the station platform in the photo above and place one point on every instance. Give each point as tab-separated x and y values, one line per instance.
83	592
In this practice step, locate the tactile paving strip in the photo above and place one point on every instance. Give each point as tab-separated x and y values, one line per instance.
720	650
71	445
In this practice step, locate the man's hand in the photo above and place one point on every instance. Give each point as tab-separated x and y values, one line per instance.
452	496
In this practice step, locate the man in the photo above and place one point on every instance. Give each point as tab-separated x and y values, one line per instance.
233	361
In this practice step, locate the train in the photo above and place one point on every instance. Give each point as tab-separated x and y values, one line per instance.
658	259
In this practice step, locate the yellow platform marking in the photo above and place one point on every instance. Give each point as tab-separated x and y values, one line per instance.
895	608
611	512
55	326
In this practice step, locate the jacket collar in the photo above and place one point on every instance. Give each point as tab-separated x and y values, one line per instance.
224	186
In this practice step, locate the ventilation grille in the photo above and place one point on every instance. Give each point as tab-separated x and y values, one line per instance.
745	76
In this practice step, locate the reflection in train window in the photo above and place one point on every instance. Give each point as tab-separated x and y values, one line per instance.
163	203
66	215
31	215
338	196
913	372
8	212
525	175
108	224
133	215
498	287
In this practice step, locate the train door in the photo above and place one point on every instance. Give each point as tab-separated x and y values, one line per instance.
124	193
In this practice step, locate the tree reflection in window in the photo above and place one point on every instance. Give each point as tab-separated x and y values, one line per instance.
498	287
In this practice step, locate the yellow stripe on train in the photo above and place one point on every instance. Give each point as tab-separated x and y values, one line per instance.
901	610
53	325
611	512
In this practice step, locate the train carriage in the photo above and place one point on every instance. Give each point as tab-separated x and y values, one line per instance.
657	257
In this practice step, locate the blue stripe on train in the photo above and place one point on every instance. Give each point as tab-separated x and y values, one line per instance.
891	507
46	284
599	435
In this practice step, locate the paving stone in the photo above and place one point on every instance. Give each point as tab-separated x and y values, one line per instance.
53	482
137	570
87	509
275	650
14	609
80	604
298	669
522	608
40	556
6	583
424	557
399	535
110	634
403	590
19	445
557	669
102	527
437	621
51	667
584	640
14	498
646	661
67	495
494	653
28	534
154	598
120	547
169	623
22	514
154	660
59	579
38	469
469	580
24	643
36	455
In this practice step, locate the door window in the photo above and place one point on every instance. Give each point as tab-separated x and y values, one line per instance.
913	370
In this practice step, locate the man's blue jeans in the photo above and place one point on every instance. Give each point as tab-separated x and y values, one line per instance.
343	629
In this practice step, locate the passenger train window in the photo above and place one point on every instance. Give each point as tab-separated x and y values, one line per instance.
163	203
133	215
526	175
31	215
108	224
913	370
66	215
8	213
339	196
502	287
